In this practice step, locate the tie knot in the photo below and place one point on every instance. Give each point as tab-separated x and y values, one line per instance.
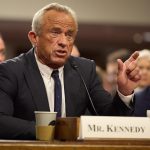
55	73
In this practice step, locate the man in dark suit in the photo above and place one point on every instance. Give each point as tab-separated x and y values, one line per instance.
26	84
142	102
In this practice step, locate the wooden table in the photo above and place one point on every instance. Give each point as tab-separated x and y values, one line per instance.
115	144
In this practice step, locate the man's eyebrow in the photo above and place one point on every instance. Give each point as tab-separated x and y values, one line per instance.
71	31
55	28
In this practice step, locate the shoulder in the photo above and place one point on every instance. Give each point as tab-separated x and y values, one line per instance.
85	66
17	63
143	94
14	63
82	59
82	62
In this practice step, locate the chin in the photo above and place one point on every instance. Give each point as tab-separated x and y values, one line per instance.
61	62
58	64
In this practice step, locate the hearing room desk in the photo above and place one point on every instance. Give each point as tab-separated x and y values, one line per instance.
77	145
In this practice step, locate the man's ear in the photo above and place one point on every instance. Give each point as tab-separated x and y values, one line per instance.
33	38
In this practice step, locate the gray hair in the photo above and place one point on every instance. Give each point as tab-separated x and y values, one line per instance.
37	19
145	53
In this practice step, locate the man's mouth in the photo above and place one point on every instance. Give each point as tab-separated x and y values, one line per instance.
61	53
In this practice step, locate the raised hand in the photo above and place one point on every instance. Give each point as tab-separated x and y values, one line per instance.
128	74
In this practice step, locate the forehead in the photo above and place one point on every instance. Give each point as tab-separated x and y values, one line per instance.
55	18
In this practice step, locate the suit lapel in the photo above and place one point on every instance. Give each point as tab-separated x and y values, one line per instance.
35	83
71	86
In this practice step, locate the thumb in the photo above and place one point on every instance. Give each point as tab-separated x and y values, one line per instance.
120	66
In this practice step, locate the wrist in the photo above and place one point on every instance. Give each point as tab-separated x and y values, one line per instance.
125	92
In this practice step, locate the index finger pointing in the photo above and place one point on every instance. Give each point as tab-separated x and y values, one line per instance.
133	57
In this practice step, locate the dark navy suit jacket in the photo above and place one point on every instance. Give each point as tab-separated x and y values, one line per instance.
22	92
142	102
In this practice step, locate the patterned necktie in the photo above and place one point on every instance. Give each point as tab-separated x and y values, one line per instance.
57	92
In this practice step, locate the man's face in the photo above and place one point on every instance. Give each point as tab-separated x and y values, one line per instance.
54	44
2	50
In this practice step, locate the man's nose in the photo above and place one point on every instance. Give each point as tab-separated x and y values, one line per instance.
63	41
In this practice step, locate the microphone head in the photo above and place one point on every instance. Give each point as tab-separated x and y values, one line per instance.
73	64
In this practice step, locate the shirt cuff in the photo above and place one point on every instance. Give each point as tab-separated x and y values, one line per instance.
126	99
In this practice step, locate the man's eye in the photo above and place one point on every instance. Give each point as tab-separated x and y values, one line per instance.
140	67
55	33
70	36
148	68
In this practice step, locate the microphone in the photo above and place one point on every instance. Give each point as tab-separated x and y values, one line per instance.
74	65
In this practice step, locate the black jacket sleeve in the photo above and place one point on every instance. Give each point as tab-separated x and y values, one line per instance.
11	127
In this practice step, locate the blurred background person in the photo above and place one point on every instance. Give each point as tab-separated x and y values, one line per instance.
2	49
75	51
101	74
142	94
143	63
142	102
112	68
